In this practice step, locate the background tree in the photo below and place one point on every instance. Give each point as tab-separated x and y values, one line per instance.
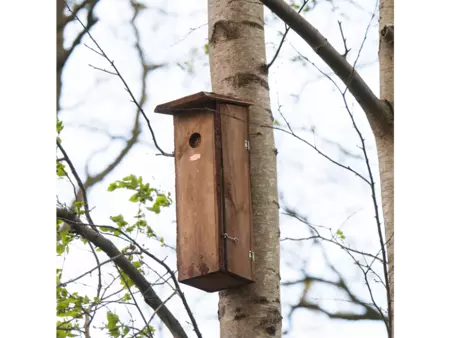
307	275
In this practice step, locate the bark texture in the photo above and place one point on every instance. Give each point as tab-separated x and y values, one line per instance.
385	138
238	68
60	53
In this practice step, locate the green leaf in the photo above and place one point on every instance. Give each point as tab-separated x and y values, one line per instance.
59	126
119	221
125	280
126	297
206	49
112	186
134	198
60	249
59	168
276	123
112	326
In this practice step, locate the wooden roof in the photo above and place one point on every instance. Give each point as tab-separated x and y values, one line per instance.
198	100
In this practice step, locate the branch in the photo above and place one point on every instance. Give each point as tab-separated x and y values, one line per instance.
377	213
172	275
368	314
284	37
127	88
90	22
146	289
376	110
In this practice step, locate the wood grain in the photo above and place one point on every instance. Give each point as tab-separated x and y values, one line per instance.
197	214
236	189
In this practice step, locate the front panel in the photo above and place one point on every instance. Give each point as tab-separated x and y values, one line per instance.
196	198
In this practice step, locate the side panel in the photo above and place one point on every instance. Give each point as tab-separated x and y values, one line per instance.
196	196
236	190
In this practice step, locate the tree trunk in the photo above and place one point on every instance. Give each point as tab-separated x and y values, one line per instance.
238	68
59	48
385	139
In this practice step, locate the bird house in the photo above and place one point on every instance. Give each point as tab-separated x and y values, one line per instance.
213	196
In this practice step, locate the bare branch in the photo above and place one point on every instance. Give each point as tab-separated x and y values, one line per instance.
377	213
284	36
80	185
150	296
63	284
136	304
127	88
90	22
344	40
376	110
172	275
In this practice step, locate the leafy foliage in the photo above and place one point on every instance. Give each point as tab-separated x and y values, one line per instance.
72	308
144	195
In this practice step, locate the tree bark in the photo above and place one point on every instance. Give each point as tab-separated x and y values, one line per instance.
385	140
238	68
60	52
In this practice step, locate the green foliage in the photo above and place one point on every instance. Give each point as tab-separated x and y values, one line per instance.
143	194
147	331
340	234
276	123
63	240
59	126
115	327
207	49
112	326
60	169
125	281
64	329
78	207
70	308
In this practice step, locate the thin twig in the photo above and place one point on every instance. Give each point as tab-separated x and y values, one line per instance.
284	36
64	284
80	185
347	50
172	274
127	88
136	304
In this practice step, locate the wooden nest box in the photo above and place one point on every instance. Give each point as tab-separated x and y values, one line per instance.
213	196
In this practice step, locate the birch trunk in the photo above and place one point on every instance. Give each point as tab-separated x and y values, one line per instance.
238	68
385	139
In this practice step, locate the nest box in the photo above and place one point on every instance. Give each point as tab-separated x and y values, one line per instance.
213	196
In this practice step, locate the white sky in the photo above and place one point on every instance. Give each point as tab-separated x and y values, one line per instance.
323	192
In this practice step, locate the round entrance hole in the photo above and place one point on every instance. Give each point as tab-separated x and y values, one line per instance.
195	140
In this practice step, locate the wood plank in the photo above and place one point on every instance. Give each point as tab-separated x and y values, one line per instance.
237	193
197	214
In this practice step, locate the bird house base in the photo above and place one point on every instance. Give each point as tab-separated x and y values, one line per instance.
216	281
